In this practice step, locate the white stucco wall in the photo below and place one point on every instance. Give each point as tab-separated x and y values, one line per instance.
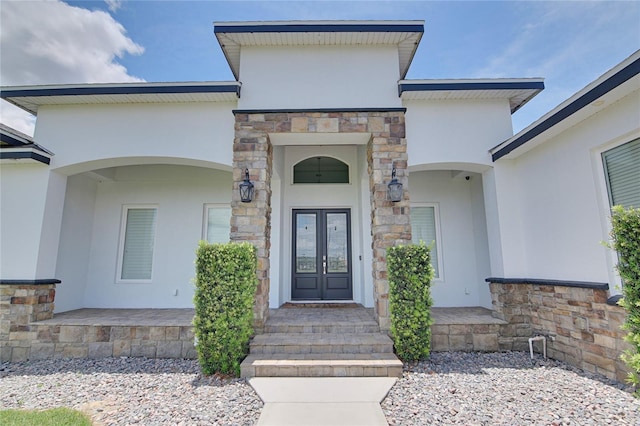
319	77
180	194
455	131
564	200
86	137
75	242
463	247
31	199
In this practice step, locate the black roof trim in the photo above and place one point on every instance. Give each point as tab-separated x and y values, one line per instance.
10	140
318	28
44	281
119	90
601	89
484	85
12	155
556	283
309	110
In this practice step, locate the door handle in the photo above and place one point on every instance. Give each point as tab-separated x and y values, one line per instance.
324	265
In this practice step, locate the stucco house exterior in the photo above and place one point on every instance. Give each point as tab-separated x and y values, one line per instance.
124	179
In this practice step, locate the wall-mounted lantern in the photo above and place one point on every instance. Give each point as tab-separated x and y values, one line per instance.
246	188
394	187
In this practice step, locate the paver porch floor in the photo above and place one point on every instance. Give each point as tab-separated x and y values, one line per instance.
184	317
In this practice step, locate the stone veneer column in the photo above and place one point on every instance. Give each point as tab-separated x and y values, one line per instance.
251	222
390	222
252	149
20	306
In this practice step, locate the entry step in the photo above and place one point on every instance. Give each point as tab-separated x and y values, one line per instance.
303	343
322	365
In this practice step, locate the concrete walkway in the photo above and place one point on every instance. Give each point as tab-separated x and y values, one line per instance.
322	401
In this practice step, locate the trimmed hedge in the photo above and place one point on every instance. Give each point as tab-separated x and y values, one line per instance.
226	283
626	241
410	273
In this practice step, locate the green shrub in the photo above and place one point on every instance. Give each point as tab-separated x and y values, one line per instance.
225	287
410	273
626	241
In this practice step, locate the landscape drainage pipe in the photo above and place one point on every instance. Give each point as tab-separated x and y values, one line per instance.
544	345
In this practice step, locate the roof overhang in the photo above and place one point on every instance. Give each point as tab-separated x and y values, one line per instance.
406	35
618	82
11	137
31	153
30	98
517	91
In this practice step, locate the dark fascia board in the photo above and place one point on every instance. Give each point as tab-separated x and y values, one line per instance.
8	92
44	281
310	110
318	28
10	140
557	283
480	85
601	89
6	154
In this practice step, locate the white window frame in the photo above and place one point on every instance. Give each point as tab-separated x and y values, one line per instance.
602	186
205	218
123	232
436	215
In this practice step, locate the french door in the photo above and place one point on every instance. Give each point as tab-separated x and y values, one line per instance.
321	255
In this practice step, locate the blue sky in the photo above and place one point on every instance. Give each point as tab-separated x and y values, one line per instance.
569	43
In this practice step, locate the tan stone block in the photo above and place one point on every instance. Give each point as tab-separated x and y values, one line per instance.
121	348
606	341
71	333
439	343
376	124
100	350
23	335
172	333
71	351
485	342
169	349
42	351
326	125
19	354
299	124
157	333
460	342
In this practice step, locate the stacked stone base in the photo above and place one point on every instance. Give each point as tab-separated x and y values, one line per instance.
476	338
96	341
582	327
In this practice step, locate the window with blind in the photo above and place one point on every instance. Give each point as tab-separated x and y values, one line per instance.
137	241
622	173
216	226
425	227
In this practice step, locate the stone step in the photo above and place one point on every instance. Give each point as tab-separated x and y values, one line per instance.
321	365
322	327
304	343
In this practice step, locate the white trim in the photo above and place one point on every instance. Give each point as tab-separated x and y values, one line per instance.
436	215
123	231
205	217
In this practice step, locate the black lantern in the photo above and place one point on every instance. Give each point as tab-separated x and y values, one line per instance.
246	188
394	187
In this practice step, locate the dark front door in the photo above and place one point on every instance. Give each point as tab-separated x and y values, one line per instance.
321	264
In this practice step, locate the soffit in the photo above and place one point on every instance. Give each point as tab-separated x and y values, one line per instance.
30	98
406	35
517	91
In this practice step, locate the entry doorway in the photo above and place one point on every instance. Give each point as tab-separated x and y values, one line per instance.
321	255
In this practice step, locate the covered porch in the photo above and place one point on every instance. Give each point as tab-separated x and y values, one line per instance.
168	333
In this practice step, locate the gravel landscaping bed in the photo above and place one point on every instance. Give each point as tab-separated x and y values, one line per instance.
506	389
449	388
130	391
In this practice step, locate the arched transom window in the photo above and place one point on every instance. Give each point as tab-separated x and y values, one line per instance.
321	170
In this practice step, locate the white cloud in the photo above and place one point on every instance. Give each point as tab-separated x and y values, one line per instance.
51	42
114	5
